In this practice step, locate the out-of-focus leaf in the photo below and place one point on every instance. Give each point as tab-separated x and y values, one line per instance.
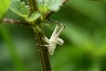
99	0
93	10
11	47
4	4
50	5
47	6
19	8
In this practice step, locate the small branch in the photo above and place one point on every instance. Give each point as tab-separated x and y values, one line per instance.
8	21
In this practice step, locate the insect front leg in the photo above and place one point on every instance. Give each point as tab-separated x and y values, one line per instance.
42	45
46	39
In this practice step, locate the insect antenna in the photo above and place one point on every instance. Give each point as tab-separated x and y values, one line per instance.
49	20
56	22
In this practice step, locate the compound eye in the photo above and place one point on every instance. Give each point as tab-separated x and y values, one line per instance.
51	53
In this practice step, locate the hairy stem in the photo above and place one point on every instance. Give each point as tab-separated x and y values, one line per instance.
39	32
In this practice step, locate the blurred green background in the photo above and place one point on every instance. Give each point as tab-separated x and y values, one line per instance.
85	40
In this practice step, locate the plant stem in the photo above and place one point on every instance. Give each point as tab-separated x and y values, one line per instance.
39	35
33	5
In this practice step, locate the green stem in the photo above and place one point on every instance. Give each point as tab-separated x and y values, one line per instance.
43	52
33	5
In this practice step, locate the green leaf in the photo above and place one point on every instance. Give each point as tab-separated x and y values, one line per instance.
45	6
33	17
50	5
20	8
4	4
